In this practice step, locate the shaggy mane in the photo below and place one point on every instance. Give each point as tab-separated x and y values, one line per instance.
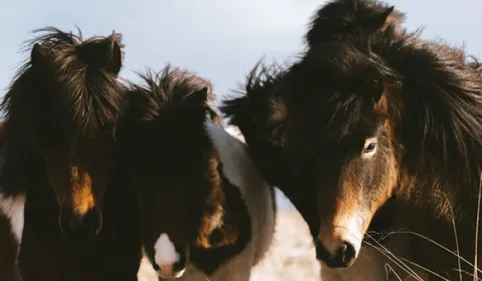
165	90
257	111
433	97
258	101
442	97
339	20
81	95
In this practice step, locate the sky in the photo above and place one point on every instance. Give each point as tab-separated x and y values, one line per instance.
219	40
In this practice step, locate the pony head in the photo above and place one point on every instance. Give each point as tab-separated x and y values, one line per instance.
63	108
175	168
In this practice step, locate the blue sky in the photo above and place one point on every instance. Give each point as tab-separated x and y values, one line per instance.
218	39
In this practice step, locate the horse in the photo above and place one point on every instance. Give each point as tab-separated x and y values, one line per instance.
361	120
206	210
71	213
8	268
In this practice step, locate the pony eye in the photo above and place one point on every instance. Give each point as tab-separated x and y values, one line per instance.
370	147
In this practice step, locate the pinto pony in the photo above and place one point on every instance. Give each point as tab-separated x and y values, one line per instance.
205	207
60	157
360	120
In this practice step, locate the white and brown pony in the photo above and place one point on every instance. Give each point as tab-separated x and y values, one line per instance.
206	211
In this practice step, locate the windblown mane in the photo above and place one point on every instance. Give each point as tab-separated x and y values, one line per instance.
257	111
353	20
476	65
165	90
76	92
434	100
336	85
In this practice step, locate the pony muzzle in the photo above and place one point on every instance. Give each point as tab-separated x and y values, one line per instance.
170	271
169	261
339	245
75	225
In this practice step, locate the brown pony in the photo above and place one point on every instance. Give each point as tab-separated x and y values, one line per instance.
61	111
362	119
60	153
205	208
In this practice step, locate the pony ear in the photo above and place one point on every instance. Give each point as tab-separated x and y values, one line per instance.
198	97
381	21
38	55
105	53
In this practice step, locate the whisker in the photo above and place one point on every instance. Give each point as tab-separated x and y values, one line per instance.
433	242
388	269
382	249
424	268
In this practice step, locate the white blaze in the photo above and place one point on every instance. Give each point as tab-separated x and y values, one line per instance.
13	208
164	251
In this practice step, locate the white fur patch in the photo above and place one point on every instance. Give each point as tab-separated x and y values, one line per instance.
13	208
165	252
241	171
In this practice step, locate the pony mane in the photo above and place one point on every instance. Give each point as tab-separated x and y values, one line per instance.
338	19
337	84
256	104
476	65
257	109
85	95
442	95
166	90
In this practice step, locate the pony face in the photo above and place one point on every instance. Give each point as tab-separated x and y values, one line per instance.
65	104
185	209
175	168
337	139
79	175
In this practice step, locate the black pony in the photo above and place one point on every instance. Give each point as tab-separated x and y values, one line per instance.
60	171
363	118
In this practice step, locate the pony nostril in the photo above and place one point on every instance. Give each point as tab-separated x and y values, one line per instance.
344	255
79	226
179	268
347	254
69	221
169	271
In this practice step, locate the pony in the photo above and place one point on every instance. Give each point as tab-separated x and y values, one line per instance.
60	181
77	81
8	268
206	210
360	120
